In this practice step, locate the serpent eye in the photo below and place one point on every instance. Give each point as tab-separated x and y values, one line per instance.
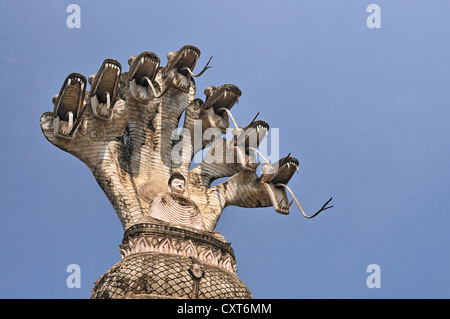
131	59
170	55
209	90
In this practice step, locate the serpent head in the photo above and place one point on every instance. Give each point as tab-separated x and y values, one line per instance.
217	98
143	70
104	89
69	105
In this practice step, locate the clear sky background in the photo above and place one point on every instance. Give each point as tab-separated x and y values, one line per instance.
366	112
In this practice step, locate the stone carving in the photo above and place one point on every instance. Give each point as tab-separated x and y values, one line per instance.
174	207
197	274
129	134
128	130
162	238
147	276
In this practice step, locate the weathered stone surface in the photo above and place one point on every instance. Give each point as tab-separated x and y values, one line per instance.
126	130
160	237
158	275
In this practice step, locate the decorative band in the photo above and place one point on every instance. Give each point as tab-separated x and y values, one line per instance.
210	254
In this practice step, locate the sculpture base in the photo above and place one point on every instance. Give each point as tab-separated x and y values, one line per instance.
162	261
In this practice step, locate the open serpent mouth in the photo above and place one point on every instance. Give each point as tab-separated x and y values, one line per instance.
252	135
69	106
104	89
279	173
275	179
142	74
218	100
181	64
247	141
184	60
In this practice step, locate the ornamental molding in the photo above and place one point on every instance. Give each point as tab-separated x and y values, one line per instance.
199	250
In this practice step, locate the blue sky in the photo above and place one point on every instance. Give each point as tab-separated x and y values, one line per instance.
366	112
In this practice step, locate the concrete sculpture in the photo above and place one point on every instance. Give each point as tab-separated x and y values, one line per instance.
126	130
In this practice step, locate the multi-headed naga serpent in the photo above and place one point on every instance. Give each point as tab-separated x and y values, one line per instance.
125	130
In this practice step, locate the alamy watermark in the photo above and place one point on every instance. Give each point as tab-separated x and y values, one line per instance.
374	279
374	19
74	279
74	19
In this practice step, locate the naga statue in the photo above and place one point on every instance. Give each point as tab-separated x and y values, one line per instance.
127	129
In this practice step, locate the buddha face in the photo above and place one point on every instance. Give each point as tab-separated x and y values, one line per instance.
177	186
